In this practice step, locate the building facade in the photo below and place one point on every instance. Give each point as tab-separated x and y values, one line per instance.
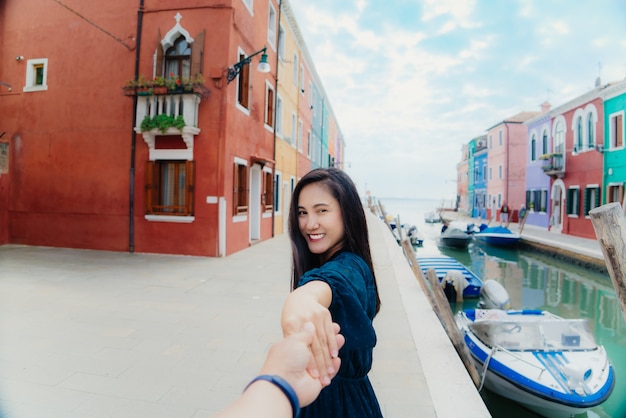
197	155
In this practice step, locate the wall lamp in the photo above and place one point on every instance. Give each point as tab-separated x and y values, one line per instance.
263	67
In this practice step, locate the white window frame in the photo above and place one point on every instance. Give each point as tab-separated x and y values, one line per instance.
308	144
249	5
278	111
300	133
294	128
281	42
612	133
271	26
295	68
31	65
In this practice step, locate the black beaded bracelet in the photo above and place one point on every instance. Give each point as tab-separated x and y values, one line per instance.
283	385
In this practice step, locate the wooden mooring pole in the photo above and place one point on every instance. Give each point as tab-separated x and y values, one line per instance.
610	226
441	306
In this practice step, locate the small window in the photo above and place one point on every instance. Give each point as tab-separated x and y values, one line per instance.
269	105
615	193
533	148
294	128
308	144
590	131
295	69
579	135
243	84
544	143
279	115
178	59
169	188
271	26
592	199
573	201
302	79
240	189
277	183
36	75
267	196
617	131
299	135
281	43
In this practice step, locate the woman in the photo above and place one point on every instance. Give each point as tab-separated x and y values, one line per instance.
333	281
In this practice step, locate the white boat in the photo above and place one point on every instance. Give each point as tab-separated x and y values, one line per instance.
456	234
550	365
498	236
432	218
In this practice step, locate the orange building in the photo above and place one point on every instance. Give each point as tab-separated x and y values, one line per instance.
184	164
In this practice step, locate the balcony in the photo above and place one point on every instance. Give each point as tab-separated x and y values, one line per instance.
553	165
176	106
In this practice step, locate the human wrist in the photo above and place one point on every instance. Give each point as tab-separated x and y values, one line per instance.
278	382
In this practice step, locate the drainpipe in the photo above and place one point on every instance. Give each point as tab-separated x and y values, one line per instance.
133	141
277	186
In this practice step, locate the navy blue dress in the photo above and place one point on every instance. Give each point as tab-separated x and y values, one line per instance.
353	307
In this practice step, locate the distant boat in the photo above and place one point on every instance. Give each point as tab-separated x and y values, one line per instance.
432	218
497	236
444	265
410	232
457	234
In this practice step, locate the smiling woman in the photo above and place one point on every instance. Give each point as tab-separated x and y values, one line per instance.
333	281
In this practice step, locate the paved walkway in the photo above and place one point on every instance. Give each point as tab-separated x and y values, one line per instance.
103	334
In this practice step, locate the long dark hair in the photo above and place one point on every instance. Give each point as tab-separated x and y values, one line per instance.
356	237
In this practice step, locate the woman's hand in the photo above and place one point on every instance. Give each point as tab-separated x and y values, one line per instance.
309	303
291	357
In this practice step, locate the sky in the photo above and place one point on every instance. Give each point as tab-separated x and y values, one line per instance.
411	81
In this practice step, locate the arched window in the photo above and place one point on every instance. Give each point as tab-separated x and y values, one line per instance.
590	131
533	148
579	134
544	143
178	59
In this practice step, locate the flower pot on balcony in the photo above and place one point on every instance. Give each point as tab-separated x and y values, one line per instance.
160	90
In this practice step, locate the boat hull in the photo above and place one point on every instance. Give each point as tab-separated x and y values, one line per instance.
497	236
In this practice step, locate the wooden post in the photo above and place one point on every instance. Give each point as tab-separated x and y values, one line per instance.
610	226
439	303
449	324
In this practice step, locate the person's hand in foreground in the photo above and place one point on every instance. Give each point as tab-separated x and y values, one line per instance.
288	359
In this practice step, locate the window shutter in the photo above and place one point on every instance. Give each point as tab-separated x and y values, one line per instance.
587	202
528	199
189	186
158	70
197	54
150	185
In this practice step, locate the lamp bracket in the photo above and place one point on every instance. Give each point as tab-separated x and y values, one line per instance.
235	69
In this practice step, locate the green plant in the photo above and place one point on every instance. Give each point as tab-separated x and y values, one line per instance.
162	122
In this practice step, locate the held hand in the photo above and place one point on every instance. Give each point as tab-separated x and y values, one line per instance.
302	306
290	358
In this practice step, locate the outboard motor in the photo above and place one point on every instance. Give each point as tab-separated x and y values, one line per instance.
494	296
450	291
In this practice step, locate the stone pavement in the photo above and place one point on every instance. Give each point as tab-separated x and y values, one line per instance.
104	334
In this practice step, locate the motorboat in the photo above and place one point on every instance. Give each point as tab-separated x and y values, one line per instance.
550	365
451	271
410	232
499	236
456	234
432	218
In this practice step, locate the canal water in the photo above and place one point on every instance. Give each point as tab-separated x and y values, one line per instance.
535	280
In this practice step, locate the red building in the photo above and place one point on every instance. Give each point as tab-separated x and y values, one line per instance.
575	163
187	171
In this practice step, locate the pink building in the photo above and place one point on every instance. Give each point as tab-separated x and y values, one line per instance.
506	179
